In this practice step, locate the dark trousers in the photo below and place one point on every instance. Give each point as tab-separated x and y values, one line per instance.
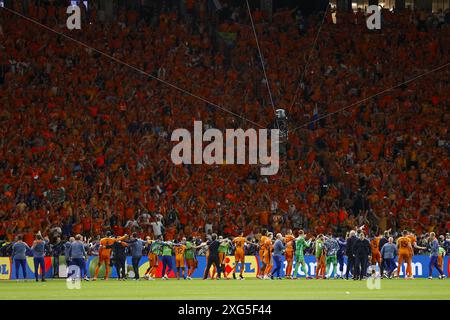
135	262
350	264
120	267
434	263
276	270
166	262
360	266
340	259
212	260
55	265
39	262
21	263
80	263
389	265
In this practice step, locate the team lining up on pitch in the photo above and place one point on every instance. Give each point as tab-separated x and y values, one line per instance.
362	255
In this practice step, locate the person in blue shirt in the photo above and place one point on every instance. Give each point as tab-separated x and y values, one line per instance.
388	253
67	246
135	247
19	255
77	255
434	248
278	249
38	249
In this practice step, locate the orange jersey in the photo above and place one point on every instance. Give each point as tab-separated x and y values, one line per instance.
289	248
262	241
179	251
105	252
239	242
267	251
412	238
288	238
375	245
404	245
268	246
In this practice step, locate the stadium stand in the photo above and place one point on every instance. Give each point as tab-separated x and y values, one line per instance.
85	141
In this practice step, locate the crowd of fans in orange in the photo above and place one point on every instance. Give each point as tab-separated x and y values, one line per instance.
85	141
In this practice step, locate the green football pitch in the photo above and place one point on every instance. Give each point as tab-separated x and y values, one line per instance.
231	289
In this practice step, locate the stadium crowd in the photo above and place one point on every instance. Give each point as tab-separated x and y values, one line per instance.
85	141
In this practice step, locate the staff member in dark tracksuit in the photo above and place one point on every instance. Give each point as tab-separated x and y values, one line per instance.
340	255
120	256
136	246
349	252
361	252
57	250
213	257
383	241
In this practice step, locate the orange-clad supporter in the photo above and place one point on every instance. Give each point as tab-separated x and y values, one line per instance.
83	130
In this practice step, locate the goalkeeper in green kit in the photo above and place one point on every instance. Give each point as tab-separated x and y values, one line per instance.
300	245
331	247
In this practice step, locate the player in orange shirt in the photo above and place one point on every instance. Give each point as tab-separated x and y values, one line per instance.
267	256
404	252
179	249
289	253
104	253
412	238
262	248
154	249
376	255
239	254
